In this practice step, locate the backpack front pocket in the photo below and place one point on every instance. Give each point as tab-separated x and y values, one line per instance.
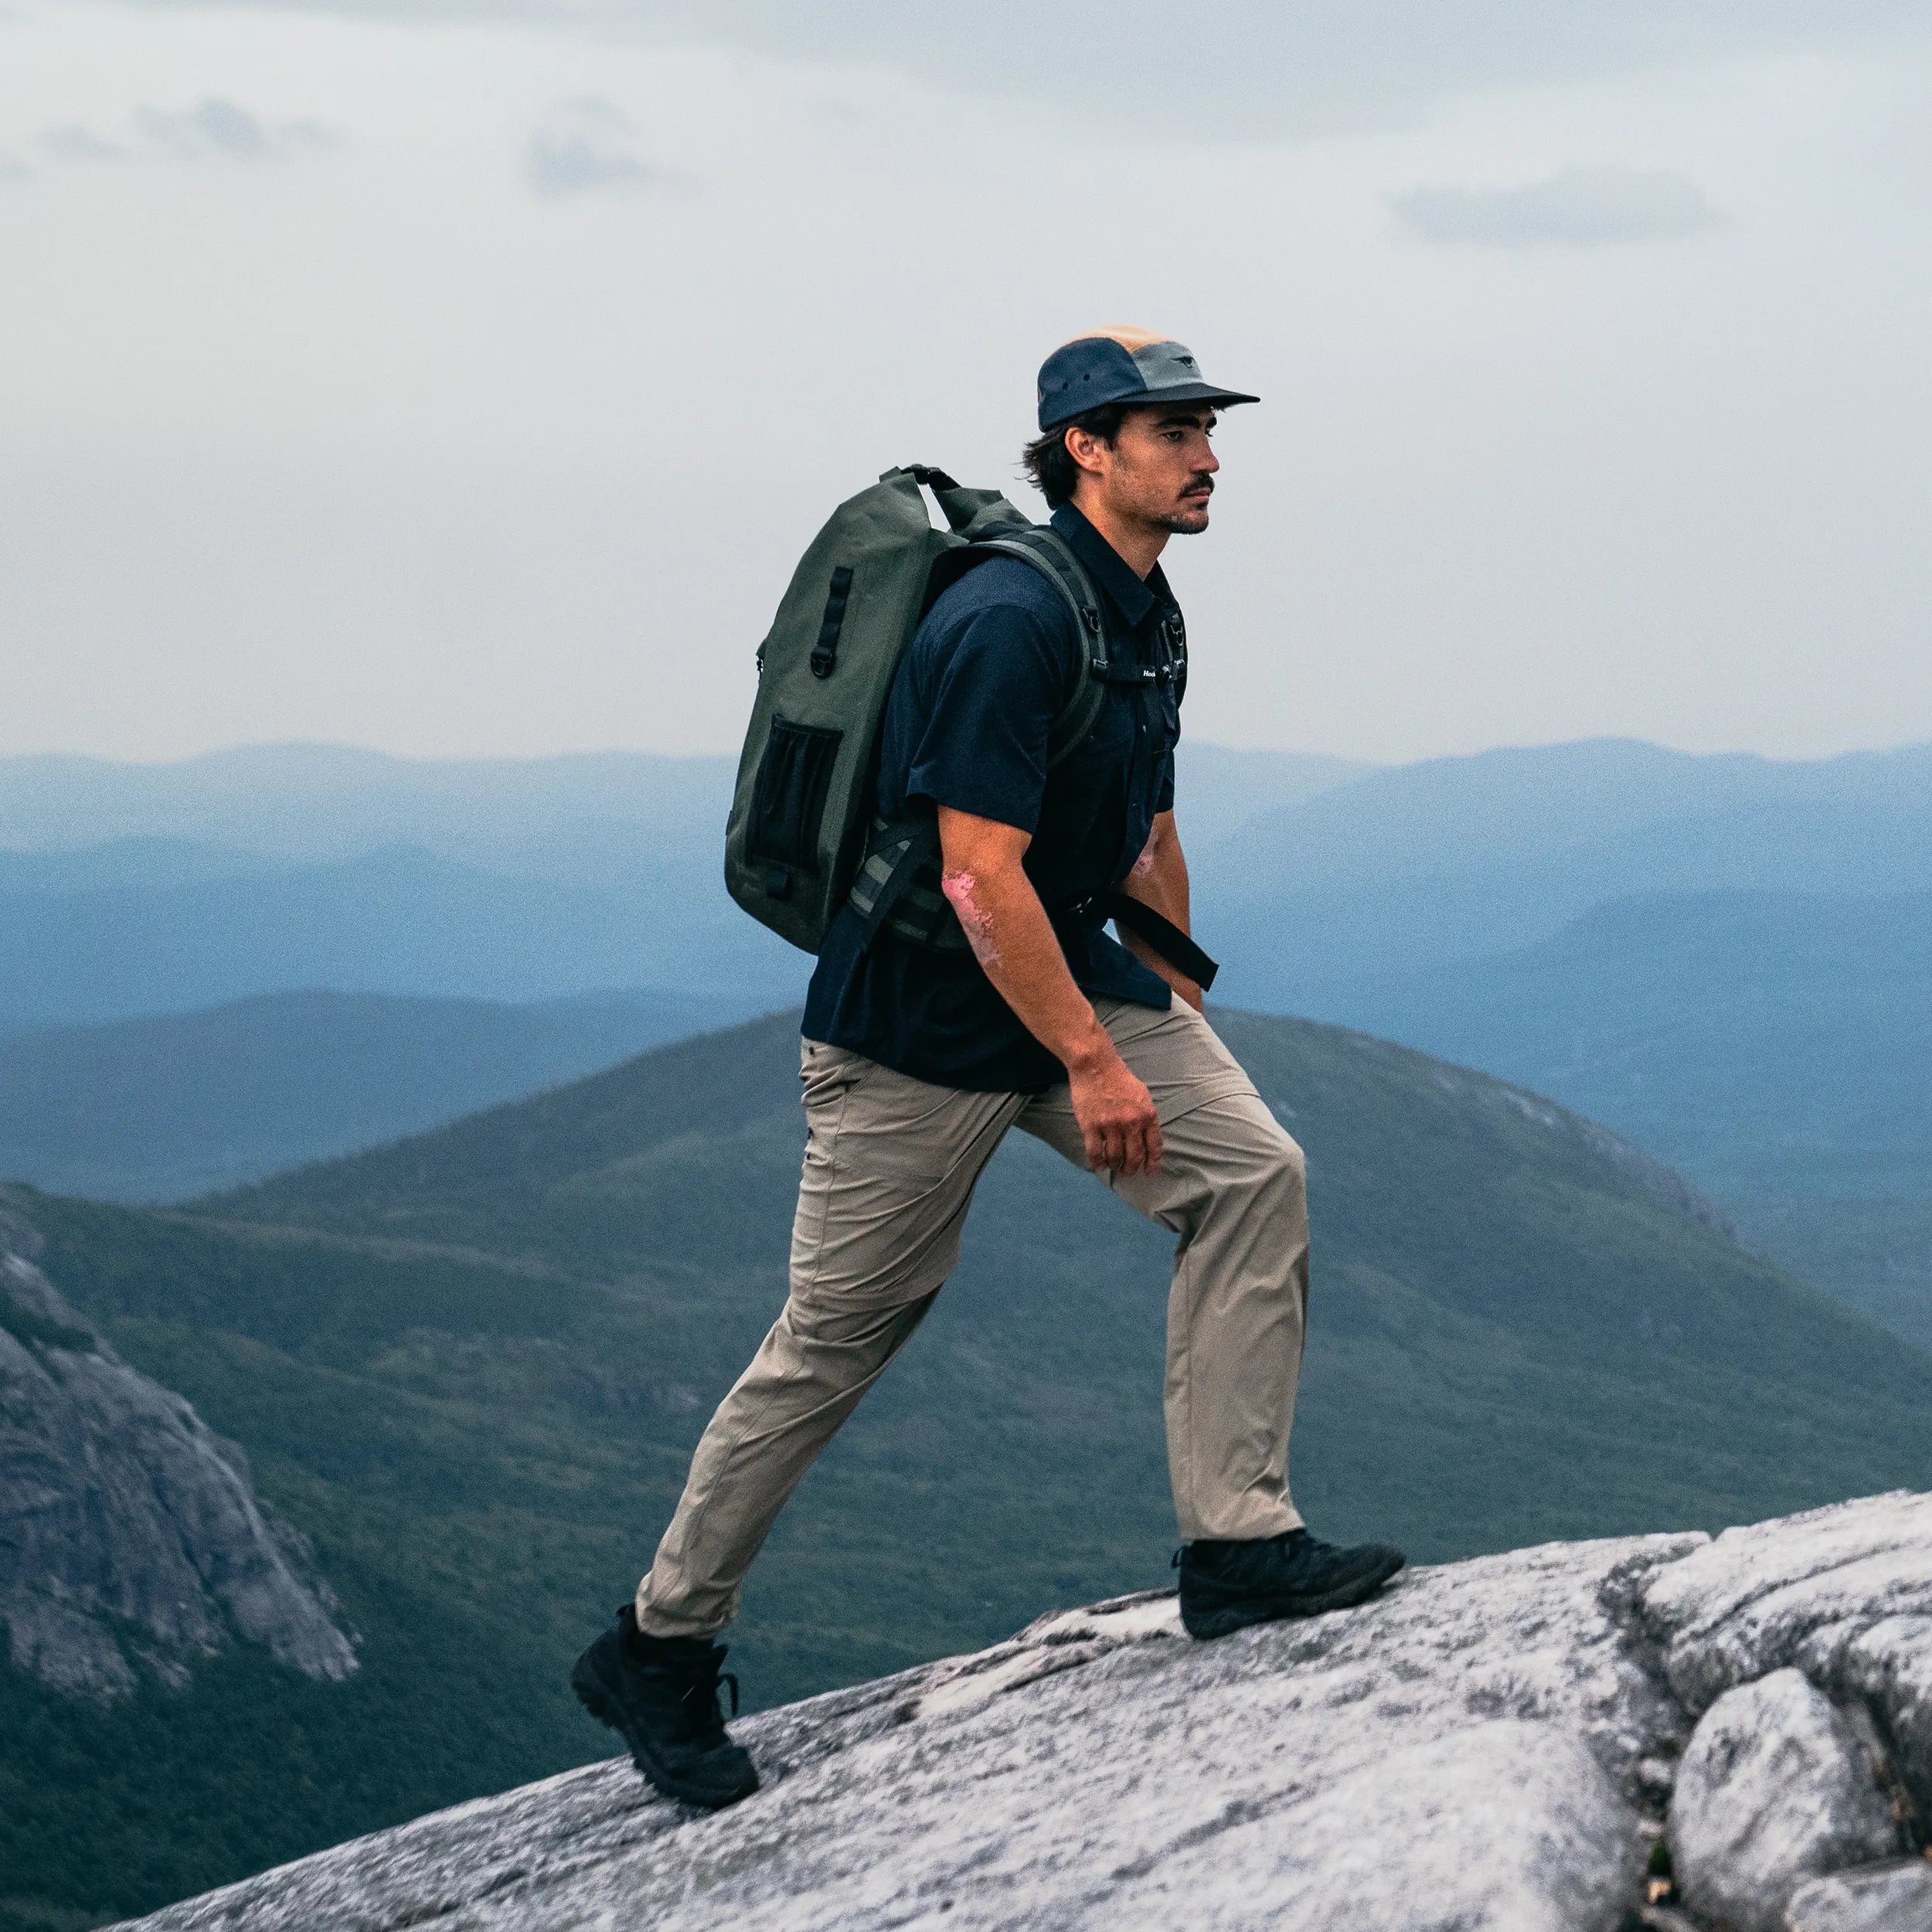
788	801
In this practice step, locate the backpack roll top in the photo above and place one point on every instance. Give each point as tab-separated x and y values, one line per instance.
802	807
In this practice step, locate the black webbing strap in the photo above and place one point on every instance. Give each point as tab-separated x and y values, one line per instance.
825	653
1147	926
897	886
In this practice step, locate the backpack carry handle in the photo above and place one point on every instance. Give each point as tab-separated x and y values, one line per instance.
959	506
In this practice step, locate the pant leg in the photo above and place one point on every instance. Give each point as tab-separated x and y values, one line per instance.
890	1166
1232	1186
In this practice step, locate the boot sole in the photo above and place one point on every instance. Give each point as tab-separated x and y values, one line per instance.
591	1694
1204	1626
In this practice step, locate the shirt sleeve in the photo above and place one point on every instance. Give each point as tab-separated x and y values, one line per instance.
987	699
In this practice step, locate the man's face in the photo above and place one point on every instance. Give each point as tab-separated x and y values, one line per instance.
1159	472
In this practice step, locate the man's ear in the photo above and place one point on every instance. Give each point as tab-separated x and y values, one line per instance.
1083	446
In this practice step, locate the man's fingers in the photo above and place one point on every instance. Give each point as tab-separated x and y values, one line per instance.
1143	1146
1133	1146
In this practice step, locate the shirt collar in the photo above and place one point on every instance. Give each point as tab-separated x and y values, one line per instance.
1110	570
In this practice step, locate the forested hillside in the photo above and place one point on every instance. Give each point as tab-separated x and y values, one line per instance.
1777	1047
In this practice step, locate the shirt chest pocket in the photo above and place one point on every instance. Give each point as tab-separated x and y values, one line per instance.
1089	797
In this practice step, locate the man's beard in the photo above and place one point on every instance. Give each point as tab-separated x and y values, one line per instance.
1189	523
1192	518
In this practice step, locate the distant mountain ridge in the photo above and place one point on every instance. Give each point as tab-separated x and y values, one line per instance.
313	802
162	1108
1368	897
132	891
1464	857
1776	1046
275	868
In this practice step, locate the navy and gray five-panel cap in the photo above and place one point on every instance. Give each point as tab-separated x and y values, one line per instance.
1131	367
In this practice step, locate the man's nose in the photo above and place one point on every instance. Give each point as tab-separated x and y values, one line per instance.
1206	460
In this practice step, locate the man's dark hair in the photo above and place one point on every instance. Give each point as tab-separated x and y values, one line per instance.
1053	472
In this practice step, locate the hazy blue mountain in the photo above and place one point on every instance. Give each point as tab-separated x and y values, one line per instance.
133	890
310	801
532	878
1463	856
588	815
161	1108
469	1368
1776	1046
136	861
400	920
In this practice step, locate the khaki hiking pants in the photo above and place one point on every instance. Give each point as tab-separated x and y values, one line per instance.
890	1166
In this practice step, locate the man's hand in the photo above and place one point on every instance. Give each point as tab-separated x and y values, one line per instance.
1116	1113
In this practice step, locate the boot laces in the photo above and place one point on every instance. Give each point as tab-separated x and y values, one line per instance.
702	1718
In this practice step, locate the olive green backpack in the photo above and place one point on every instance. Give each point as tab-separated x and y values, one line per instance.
803	838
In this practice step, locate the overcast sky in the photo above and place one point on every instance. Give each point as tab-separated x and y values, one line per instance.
457	378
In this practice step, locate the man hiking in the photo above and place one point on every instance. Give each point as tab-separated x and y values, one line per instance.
918	1058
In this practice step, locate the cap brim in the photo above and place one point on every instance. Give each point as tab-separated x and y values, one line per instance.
1146	398
1189	393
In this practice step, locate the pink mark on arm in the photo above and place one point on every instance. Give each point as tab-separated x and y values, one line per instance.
1144	864
961	889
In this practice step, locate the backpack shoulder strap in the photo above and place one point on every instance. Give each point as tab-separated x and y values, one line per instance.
1049	553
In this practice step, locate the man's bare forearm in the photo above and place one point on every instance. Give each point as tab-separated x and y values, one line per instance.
983	876
1011	936
1159	879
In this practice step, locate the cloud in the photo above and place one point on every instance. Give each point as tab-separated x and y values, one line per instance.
1285	66
70	141
217	129
1579	208
583	146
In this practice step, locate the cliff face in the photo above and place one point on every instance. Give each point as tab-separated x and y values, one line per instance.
1497	1744
127	1530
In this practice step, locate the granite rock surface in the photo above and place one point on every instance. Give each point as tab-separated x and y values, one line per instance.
1492	1746
129	1532
1895	1897
1775	1787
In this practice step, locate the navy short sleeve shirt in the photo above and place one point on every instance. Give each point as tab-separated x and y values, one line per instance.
998	658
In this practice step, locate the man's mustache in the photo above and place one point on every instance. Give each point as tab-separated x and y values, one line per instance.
1201	485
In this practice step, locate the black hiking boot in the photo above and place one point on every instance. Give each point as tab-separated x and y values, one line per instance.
1224	1586
660	1694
